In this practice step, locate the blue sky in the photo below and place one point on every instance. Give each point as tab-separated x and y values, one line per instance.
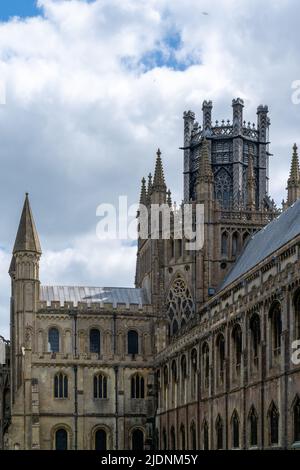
22	8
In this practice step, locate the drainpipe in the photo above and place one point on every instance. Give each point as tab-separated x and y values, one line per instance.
75	368
117	404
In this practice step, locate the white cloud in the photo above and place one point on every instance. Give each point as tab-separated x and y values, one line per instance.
83	116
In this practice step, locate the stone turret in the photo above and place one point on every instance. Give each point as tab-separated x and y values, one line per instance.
143	195
24	272
293	183
159	189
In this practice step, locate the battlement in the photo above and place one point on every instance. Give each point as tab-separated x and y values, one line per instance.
89	307
224	128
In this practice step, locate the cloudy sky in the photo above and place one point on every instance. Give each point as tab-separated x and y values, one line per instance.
90	89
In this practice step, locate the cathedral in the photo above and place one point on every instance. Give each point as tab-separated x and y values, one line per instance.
202	353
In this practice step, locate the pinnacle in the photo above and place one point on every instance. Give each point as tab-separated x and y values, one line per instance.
159	179
294	172
143	197
27	237
205	166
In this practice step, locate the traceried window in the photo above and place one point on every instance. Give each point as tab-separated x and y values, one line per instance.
223	188
137	386
60	386
100	386
180	305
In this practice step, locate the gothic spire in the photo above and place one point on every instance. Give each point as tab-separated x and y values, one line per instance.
294	172
27	237
159	179
293	183
143	196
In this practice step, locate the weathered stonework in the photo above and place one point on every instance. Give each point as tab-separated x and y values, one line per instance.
195	360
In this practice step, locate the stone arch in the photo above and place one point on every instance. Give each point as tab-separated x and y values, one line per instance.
101	427
69	431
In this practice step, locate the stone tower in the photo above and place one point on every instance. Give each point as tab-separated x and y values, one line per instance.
24	273
226	172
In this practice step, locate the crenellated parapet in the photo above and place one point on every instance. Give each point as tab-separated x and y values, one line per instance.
91	307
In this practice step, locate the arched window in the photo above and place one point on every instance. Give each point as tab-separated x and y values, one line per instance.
235	244
224	244
137	386
253	424
237	347
193	436
53	340
235	430
133	342
166	383
276	328
194	372
182	437
174	327
220	358
137	440
205	364
183	378
100	440
179	248
61	439
95	346
205	436
174	382
255	337
100	386
223	188
164	439
173	438
246	237
180	304
219	432
60	385
296	413
273	423
297	314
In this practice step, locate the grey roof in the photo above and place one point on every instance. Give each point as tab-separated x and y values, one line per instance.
265	242
105	295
